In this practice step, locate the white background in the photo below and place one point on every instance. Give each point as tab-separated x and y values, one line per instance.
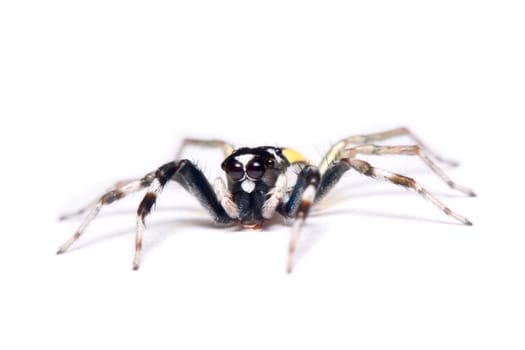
94	92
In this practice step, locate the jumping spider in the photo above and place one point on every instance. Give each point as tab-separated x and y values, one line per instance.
265	180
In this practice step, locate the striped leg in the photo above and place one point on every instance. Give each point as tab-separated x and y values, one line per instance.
299	204
193	180
333	153
405	150
120	190
366	169
227	148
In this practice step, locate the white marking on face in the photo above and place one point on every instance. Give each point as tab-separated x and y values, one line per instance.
248	186
275	155
244	159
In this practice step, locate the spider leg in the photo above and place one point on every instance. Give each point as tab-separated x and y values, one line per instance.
227	148
298	205
371	149
334	151
120	190
193	180
334	173
126	186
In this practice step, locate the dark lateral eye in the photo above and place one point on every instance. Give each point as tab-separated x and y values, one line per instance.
255	169
234	170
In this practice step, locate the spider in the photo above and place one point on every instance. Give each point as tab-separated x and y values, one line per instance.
263	181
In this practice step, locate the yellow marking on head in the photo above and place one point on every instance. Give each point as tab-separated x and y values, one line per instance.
293	156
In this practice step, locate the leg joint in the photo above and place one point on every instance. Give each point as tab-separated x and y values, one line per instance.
167	171
146	205
112	196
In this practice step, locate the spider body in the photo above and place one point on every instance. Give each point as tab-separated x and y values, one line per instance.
262	181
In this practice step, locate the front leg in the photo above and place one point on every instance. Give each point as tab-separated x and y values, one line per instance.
193	180
298	206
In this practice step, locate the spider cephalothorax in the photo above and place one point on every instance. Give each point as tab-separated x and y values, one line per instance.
252	174
265	180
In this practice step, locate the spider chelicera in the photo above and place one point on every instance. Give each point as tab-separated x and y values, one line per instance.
262	181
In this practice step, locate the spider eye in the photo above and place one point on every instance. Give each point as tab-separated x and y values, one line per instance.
270	163
255	169
234	170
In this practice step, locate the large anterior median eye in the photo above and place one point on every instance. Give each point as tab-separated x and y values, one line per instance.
234	169
255	169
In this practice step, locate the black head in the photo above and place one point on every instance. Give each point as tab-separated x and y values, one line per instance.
252	173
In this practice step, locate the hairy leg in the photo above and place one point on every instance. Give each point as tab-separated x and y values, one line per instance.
366	169
405	150
334	151
298	206
193	180
118	191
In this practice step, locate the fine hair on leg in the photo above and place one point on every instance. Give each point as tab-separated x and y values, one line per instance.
370	149
120	190
366	169
333	152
